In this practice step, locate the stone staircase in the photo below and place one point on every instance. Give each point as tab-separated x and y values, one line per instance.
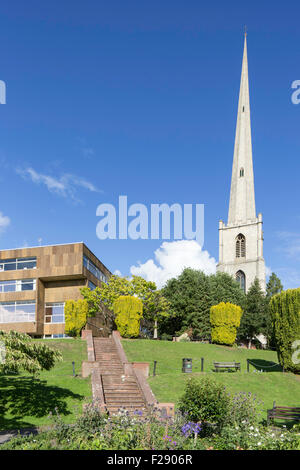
119	390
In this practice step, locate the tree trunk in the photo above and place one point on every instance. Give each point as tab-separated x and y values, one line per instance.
249	344
155	330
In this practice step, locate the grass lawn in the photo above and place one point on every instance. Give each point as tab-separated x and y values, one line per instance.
168	384
26	401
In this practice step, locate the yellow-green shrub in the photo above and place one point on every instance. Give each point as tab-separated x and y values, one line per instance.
75	316
128	311
285	313
225	318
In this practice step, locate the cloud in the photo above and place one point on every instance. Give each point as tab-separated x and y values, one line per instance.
170	260
4	222
65	185
290	243
290	277
117	273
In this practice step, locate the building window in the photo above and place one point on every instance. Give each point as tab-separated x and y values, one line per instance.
242	172
93	269
91	285
17	285
17	312
15	264
240	246
241	279
55	312
57	336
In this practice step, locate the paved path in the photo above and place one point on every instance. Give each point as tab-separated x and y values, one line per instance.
7	435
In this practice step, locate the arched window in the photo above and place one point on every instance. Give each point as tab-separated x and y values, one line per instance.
242	172
241	279
240	246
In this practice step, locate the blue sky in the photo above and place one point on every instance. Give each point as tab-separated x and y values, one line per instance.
140	98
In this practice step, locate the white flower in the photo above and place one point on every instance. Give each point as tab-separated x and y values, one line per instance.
259	443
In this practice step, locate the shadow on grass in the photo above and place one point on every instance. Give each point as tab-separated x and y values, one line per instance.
29	396
265	366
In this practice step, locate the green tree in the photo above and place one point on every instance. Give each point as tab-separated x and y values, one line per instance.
155	306
224	288
225	318
191	296
285	311
274	286
20	352
190	299
128	311
254	317
75	316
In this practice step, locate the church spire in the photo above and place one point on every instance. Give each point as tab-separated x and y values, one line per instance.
242	198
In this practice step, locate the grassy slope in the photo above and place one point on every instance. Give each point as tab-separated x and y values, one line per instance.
168	385
27	402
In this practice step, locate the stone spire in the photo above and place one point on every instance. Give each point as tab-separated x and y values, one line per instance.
242	198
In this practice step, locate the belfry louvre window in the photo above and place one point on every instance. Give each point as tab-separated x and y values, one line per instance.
242	172
240	246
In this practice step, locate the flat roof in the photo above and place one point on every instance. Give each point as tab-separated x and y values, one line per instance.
40	246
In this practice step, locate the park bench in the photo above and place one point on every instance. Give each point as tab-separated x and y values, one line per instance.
283	412
227	366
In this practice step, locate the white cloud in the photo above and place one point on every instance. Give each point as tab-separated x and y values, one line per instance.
170	260
290	244
4	222
117	273
65	185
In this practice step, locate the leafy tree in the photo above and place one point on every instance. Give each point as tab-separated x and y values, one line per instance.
224	288
190	300
128	311
285	311
155	306
224	319
274	286
254	318
191	296
20	352
75	316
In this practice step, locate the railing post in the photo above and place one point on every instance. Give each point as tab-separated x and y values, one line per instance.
202	364
247	365
154	368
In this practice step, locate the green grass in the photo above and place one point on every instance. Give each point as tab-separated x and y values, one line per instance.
26	401
168	384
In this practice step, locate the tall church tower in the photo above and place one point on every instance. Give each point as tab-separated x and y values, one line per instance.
241	240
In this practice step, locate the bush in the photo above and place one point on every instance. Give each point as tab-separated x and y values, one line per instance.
166	337
76	313
128	311
225	319
285	313
205	400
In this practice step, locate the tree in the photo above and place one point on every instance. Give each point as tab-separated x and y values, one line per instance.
254	318
224	288
274	286
192	294
128	311
224	319
285	311
190	299
20	352
75	316
155	306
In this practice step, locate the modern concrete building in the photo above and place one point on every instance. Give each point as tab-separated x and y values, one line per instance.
241	240
35	283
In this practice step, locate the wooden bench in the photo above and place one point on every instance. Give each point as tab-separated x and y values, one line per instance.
227	366
283	412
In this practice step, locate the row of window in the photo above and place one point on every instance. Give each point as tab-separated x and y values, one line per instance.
17	263
17	285
22	311
93	269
